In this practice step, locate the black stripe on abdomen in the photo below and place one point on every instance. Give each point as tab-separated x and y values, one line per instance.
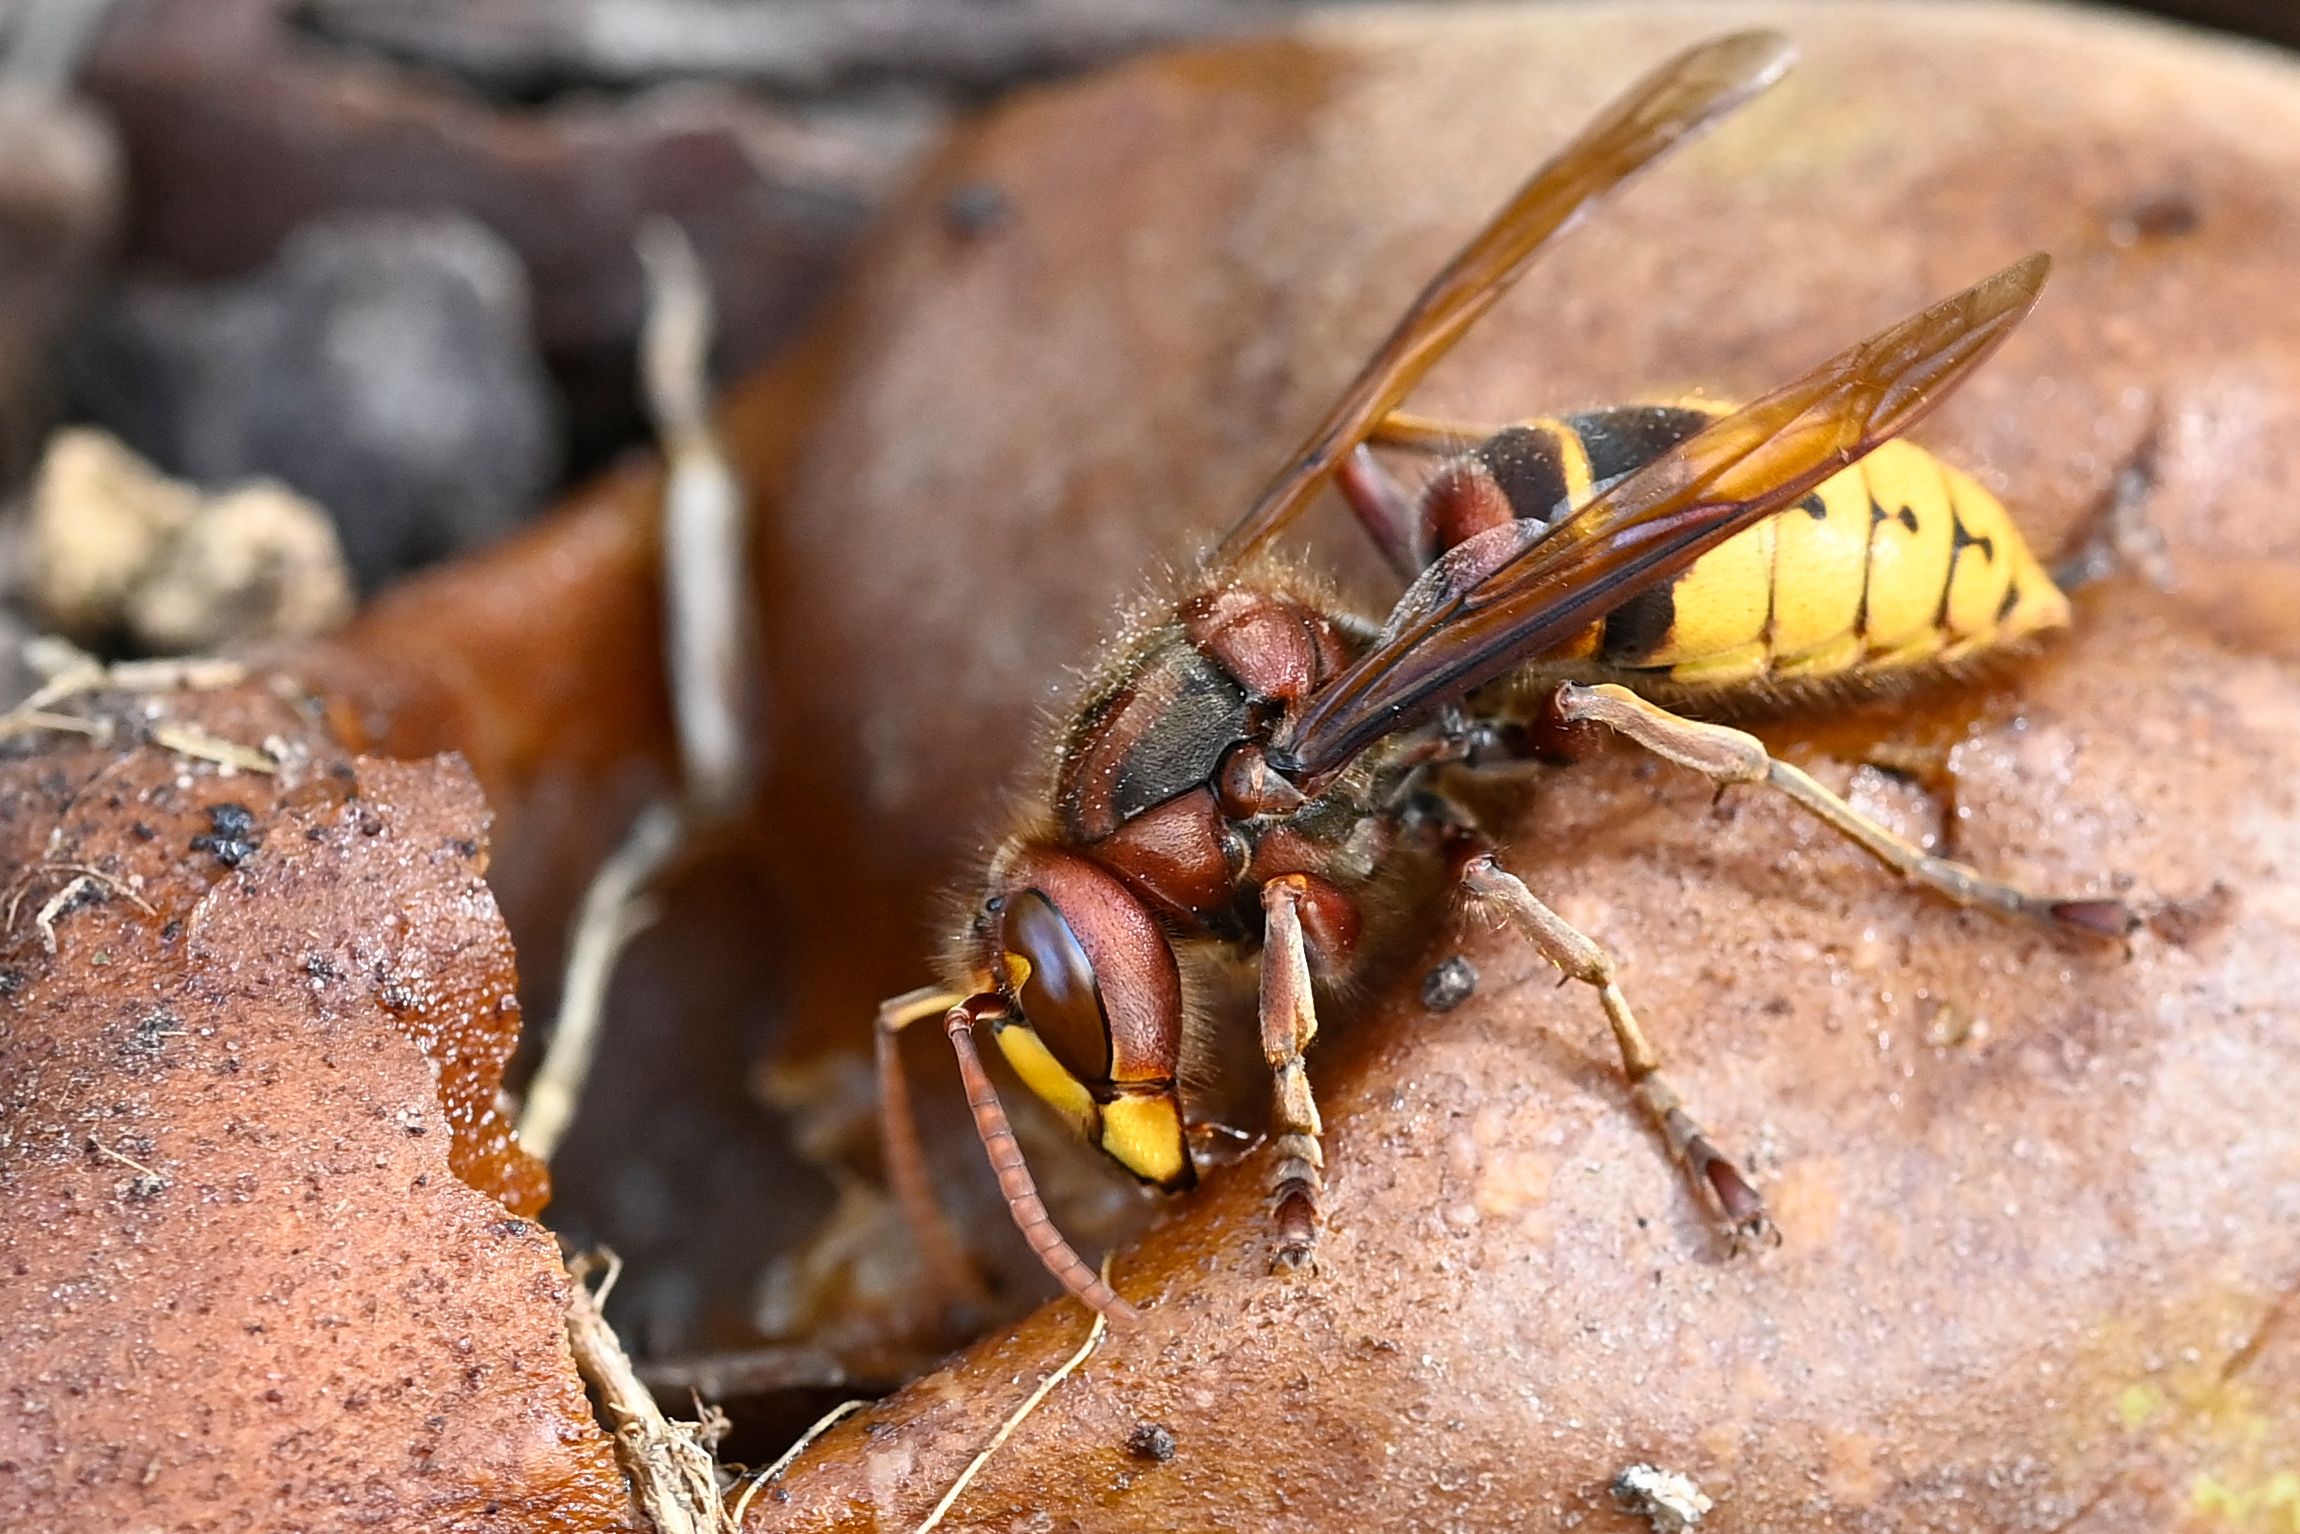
1628	437
1637	628
1524	461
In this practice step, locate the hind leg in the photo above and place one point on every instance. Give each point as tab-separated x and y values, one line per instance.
1728	756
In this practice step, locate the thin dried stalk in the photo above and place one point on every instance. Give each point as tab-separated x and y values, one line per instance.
766	1477
706	611
1006	1429
190	740
615	910
708	654
673	1476
71	673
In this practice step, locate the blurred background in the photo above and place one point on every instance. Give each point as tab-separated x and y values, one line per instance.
300	296
381	251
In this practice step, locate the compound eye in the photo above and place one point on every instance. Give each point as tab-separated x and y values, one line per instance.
1060	1000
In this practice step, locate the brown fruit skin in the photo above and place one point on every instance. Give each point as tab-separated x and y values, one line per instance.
2041	1201
259	1216
535	661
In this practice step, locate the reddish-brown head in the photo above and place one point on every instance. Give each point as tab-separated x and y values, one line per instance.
1099	997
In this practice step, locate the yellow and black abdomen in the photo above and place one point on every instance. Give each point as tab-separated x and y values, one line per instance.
1897	562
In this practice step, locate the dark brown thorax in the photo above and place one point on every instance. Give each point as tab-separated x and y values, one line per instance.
1163	778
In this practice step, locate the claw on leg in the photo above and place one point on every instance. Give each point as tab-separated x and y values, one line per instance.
1691	1148
1294	1203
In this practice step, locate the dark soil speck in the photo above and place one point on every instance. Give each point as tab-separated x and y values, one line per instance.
230	834
1449	984
1151	1441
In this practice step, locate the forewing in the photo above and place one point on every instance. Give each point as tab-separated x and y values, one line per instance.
1505	597
1660	111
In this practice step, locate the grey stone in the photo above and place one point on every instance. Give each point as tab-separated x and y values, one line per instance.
382	364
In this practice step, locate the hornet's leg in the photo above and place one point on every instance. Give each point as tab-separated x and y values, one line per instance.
1580	959
1732	756
1386	511
1289	1023
906	1174
1400	524
2120	533
1429	434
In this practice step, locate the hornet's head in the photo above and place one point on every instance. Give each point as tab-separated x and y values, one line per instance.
1094	1018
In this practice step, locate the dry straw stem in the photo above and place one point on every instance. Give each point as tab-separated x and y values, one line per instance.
614	911
190	740
1030	1404
766	1477
749	1371
26	721
707	634
673	1476
84	878
46	919
72	672
708	656
146	1176
88	874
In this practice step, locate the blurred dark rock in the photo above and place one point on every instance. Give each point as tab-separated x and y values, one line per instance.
17	678
791	45
59	205
238	128
2276	20
535	46
382	365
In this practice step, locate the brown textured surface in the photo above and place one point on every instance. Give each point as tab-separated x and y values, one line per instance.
2039	1278
258	1276
2042	1204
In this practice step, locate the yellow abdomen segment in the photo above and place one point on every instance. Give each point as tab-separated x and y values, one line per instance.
1899	561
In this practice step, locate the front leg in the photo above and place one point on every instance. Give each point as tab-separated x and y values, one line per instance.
947	1264
1289	1022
